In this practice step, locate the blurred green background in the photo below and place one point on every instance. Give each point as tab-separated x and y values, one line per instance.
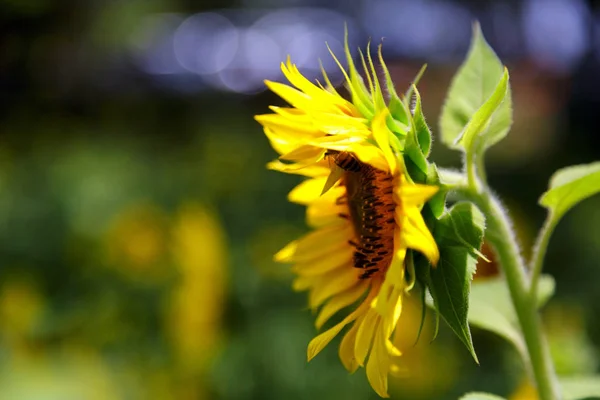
137	220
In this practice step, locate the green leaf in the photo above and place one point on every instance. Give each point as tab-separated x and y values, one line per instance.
580	387
481	396
472	86
472	136
569	186
491	308
459	234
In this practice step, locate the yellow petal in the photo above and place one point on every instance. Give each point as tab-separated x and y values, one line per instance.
381	134
328	99
336	124
292	113
364	336
390	320
340	301
295	97
312	171
280	144
416	235
414	194
291	126
319	342
315	244
346	351
309	154
394	279
378	367
320	214
303	283
307	191
336	174
328	262
332	283
340	142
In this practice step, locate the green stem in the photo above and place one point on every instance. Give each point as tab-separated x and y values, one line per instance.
472	178
500	235
480	167
537	260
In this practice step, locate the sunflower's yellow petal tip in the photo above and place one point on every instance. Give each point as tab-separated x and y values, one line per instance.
269	84
286	254
312	350
393	350
434	256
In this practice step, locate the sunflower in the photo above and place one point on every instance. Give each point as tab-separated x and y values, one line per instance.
364	208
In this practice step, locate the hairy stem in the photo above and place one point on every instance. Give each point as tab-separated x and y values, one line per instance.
500	235
537	260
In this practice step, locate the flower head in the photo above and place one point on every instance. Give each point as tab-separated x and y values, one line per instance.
364	208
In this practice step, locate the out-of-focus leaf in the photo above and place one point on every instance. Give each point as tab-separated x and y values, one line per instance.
480	396
569	186
580	387
491	308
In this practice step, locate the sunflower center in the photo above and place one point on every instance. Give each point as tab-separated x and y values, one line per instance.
369	193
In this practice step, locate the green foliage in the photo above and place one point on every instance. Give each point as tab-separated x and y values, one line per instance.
581	387
475	134
478	104
480	396
459	235
491	308
569	186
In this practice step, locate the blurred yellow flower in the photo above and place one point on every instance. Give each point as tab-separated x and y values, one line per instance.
21	306
426	369
364	208
136	242
195	307
525	391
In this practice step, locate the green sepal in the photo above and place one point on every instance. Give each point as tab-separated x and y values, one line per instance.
422	132
409	92
376	93
416	171
361	97
459	235
437	203
398	110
